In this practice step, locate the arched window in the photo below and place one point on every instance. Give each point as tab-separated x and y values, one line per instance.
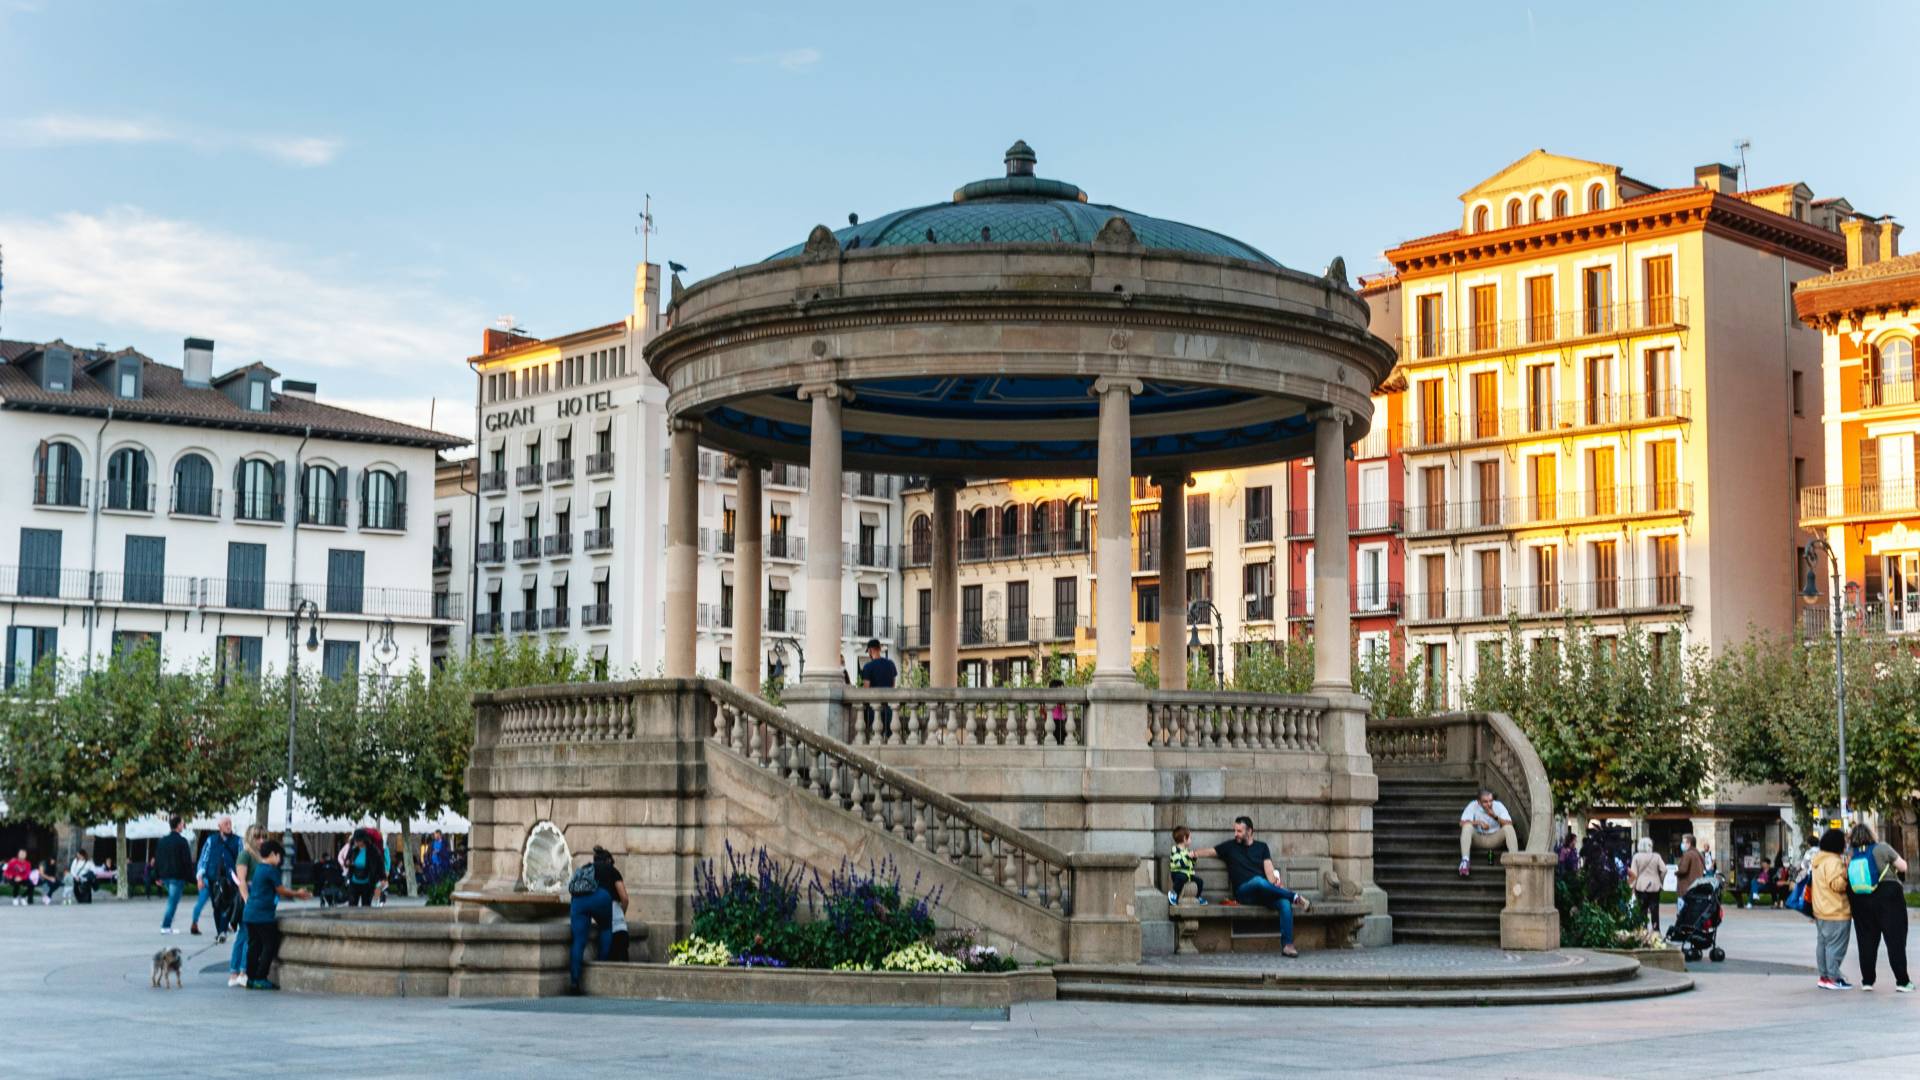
1513	212
193	486
382	500
1597	197
922	540
320	502
57	475
129	480
1890	374
1479	219
1536	208
1010	530
979	534
1040	528
1559	204
259	490
1074	528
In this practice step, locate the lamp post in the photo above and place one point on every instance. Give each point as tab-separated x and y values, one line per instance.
1196	614
308	610
776	657
1838	594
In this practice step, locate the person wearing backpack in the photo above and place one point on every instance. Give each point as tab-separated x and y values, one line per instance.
1832	908
594	889
1879	907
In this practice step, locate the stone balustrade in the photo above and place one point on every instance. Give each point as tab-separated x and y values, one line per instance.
1227	720
581	716
1486	748
967	717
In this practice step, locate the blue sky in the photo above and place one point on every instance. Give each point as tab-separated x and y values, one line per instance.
353	191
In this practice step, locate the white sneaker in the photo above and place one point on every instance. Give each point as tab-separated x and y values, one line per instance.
236	980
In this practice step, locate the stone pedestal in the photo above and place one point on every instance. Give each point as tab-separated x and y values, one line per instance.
1529	922
1105	925
820	706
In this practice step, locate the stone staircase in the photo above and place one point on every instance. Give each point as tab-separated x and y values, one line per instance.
1416	846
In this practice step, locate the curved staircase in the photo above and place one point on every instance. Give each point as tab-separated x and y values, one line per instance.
1416	844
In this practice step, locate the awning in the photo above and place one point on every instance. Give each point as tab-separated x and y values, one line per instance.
726	654
781	582
529	581
602	423
531	436
727	502
869	519
497	442
494	584
869	590
496	513
602	498
559	579
600	573
597	653
726	577
305	820
562	503
782	508
443	518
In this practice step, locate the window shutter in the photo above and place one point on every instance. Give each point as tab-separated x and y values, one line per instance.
399	500
279	484
365	518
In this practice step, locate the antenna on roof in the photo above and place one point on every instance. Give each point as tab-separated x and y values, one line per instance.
510	324
645	230
1743	181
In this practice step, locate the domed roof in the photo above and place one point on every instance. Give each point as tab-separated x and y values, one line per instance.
1021	208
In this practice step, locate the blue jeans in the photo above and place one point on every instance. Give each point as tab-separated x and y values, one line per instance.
237	963
594	910
1259	892
200	902
175	887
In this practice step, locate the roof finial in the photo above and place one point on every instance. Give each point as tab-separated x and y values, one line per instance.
1020	159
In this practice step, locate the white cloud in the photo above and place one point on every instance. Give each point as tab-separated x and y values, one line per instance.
790	60
156	280
73	129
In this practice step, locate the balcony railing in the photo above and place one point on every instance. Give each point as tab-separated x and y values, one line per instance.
1898	616
1259	608
44	582
490	552
782	546
555	618
856	628
1146	559
1059	627
598	540
1879	391
716	541
714	617
1662	593
560	472
331	513
1369	517
600	464
493	481
449	605
868	485
172	590
193	500
869	556
1006	546
258	506
559	544
1259	530
486	622
62	491
384	516
526	548
134	498
442	557
523	621
528	476
1549	418
788	476
782	621
1838	503
593	615
1560	507
1545	328
1363	600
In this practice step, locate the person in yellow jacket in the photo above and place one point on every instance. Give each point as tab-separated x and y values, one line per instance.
1832	909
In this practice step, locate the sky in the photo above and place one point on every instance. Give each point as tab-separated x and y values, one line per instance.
352	192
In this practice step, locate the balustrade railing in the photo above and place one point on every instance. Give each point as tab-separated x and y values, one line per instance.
1215	720
965	717
1486	748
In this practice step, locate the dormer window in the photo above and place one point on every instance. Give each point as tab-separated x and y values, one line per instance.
257	395
1597	197
1479	219
126	378
1559	204
1513	212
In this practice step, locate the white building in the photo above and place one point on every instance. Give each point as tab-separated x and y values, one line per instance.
568	538
167	504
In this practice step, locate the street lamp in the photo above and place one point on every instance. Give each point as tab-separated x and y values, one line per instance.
1838	594
384	649
776	656
308	610
1196	614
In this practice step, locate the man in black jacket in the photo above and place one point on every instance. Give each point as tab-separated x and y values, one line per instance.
173	866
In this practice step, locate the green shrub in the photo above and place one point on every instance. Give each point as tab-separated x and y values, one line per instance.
440	893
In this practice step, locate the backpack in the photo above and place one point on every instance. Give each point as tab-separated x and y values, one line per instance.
1798	899
1860	876
583	882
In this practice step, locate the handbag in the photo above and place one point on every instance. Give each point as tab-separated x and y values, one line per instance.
1799	900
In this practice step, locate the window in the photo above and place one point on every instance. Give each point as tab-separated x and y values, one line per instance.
1536	208
1666	570
1513	212
127	377
1486	404
1370	585
1661	474
1434	659
237	657
193	486
1147	534
382	505
868	545
129	480
925	609
863	618
1016	611
346	575
1596	300
1559	204
246	585
1544	477
1199	584
1606	574
973	618
1491	602
1429	324
1546	578
1372	513
1433	498
1066	605
1540	308
1433	574
1432	398
144	570
1147	604
1257	586
1599	391
1799	400
1661	383
320	499
1540	410
128	642
1889	373
257	395
1487	488
1259	513
40	562
1009	545
1656	276
340	660
603	441
922	540
497	459
1596	197
1199	521
726	605
1602	497
27	648
1480	219
1486	315
776	609
57	475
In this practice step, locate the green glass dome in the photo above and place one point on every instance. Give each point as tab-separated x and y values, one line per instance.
1021	208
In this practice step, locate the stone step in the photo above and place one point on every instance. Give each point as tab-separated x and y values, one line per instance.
1147	985
1446	936
1399	900
1444	919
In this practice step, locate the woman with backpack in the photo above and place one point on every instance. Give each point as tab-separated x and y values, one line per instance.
1879	907
1827	894
594	890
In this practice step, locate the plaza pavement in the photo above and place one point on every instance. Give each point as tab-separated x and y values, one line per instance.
74	998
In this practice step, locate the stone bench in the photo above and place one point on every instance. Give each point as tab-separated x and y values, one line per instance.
1223	928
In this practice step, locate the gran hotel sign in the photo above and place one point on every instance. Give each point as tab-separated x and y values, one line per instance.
580	405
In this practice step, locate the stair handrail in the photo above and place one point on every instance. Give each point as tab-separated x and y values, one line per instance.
1512	758
1055	863
1486	745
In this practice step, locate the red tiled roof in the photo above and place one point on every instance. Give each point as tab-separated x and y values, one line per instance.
1770	190
167	399
1898	266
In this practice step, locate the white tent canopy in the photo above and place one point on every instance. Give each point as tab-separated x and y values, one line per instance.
305	819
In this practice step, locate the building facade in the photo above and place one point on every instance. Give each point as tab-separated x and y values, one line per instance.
567	513
1609	408
167	505
1864	503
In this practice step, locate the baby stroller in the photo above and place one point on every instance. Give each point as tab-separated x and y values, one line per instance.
1696	928
330	884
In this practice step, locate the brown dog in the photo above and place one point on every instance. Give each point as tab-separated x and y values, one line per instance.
166	963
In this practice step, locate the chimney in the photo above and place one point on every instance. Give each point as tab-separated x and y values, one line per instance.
646	300
1724	179
1889	238
197	367
305	391
1863	241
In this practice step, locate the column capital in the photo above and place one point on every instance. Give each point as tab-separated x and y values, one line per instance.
1343	417
1107	383
684	423
1175	478
946	483
749	461
809	391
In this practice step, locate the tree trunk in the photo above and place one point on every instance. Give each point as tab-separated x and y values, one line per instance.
262	800
406	855
125	880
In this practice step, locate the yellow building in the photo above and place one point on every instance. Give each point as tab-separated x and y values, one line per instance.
1610	407
1869	318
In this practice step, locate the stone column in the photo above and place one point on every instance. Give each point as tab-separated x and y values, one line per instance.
943	662
683	551
1173	580
750	519
1113	610
823	535
1332	660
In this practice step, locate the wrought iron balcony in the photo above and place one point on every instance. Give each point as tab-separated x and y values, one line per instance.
1544	328
195	500
1548	418
131	498
598	540
560	472
1836	503
596	615
68	491
491	482
1496	603
1554	508
490	552
600	464
527	476
559	544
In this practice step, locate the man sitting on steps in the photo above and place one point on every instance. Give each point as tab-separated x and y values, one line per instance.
1483	825
1253	880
